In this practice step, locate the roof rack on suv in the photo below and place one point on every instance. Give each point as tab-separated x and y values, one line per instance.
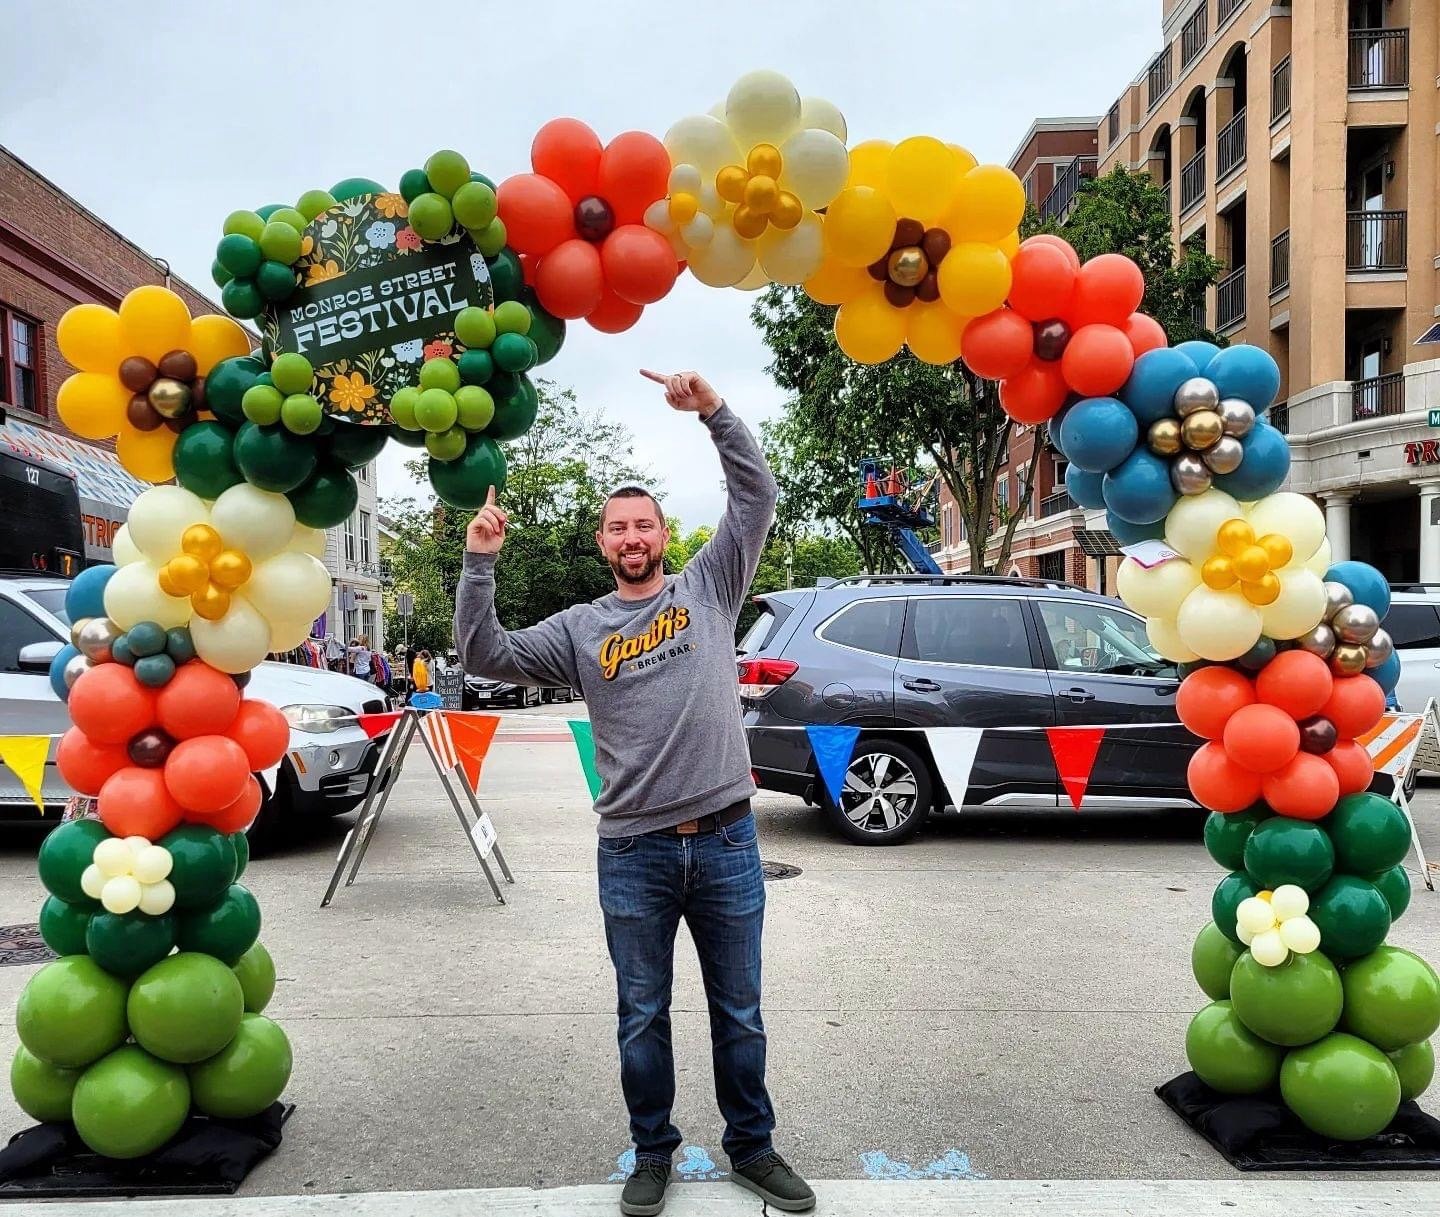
943	580
1413	587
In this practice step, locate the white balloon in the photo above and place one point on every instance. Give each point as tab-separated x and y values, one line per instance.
152	864
711	203
814	166
1299	608
158	519
699	232
1218	625
754	281
1300	934
239	641
137	843
817	112
308	540
704	141
1158	591
133	595
725	261
657	216
92	882
157	898
792	257
289	587
1191	526
1294	517
1289	900
1269	949
1321	562
287	635
113	857
685	179
1244	935
254	521
1165	638
1255	915
122	548
121	894
762	107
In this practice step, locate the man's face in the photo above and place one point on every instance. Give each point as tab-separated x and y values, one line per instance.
632	538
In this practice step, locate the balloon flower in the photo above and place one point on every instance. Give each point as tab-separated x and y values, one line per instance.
579	215
129	873
1273	924
141	376
917	244
748	178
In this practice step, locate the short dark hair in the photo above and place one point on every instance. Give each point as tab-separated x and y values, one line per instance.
632	492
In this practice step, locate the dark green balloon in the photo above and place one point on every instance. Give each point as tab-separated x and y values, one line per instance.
1229	892
476	367
1292	1004
353	445
146	638
503	384
219	274
238	254
546	332
273	458
1394	885
1415	1063
1225	835
62	925
155	671
414	183
1227	1056
1258	656
242	299
275	280
128	943
1370	834
513	352
507	277
515	414
65	854
204	460
354	187
410	439
1341	1088
1352	915
226	385
480	177
268	210
179	645
1212	959
204	865
465	482
1282	850
328	498
225	930
242	852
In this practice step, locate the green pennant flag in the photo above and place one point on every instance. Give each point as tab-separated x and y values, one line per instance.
585	746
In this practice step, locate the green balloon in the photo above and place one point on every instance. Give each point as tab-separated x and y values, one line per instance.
548	335
512	317
430	216
256	972
313	202
1228	894
1370	834
513	352
1295	1003
226	385
204	865
280	242
275	280
414	183
130	1104
446	445
155	671
354	445
205	460
289	216
515	414
247	223
242	853
490	240
1415	1063
42	1091
1212	959
64	855
1352	916
241	298
186	1008
410	437
476	367
1282	850
301	413
1227	1056
1394	885
1341	1087
62	925
120	651
507	276
292	373
146	638
475	327
327	499
273	458
247	1075
465	482
179	645
1225	835
239	254
1392	998
474	408
72	1012
435	409
441	374
473	204
503	384
129	943
447	171
354	187
226	930
262	404
219	274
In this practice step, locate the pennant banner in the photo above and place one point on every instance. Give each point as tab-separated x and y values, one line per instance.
833	748
954	751
585	746
471	737
26	755
1074	750
377	724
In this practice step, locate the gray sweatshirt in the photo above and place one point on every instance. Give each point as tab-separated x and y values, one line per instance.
659	674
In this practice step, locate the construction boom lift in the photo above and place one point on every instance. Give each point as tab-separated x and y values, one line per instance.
886	501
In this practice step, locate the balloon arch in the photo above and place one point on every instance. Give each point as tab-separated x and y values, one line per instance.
416	315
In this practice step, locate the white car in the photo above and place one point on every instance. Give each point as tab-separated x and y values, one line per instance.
1414	624
326	771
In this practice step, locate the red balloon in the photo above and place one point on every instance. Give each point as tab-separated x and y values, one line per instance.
614	315
1097	360
237	816
86	765
1296	681
109	705
1352	764
1220	784
1042	280
1107	290
199	700
1145	333
537	213
1209	696
567	152
1307	788
639	264
1356	704
1261	738
261	730
570	279
206	773
997	345
528	263
135	803
1035	393
1060	243
634	172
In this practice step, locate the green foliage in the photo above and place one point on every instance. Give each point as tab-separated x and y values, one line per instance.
799	562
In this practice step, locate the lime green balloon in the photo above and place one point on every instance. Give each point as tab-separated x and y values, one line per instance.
474	204
64	855
280	242
435	408
256	973
1341	1087
328	498
1392	998
247	1075
402	408
513	352
474	408
355	445
1227	1056
275	280
1212	959
354	187
239	254
313	202
1295	1003
548	335
186	1007
1394	885
515	414
129	943
1228	894
1415	1065
71	1012
446	445
42	1091
447	171
490	240
242	299
227	384
507	276
475	326
204	865
1370	834
204	457
439	374
1282	850
414	183
130	1104
288	216
430	216
465	482
1352	915
476	367
244	224
262	403
273	458
242	852
292	373
301	413
62	925
226	930
512	317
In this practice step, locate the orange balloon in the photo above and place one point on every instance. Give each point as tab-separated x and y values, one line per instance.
570	280
1296	681
1097	360
261	730
1307	788
109	705
537	213
135	803
1145	333
614	315
997	345
1043	281
634	172
206	773
1107	290
198	701
639	264
1060	243
1035	393
567	151
237	816
1261	738
1209	696
1219	783
86	765
1354	706
1352	764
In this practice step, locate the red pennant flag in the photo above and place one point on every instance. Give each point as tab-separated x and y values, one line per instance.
378	724
472	734
1074	750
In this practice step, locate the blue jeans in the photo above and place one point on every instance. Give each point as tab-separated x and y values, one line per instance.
713	880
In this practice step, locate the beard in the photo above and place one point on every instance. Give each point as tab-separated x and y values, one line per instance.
636	574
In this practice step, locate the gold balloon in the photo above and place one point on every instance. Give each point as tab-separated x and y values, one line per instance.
764	161
1264	591
186	574
907	266
683	207
761	193
1252	564
1218	573
1234	536
76	627
730	183
202	541
787	212
211	602
748	223
1279	549
1348	659
170	398
230	569
1163	437
1202	430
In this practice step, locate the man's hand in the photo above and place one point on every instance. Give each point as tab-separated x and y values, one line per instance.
687	391
486	532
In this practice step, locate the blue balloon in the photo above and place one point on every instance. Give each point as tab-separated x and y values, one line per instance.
1201	352
1099	433
1263	467
57	671
1087	489
1140	490
1132	534
86	596
1053	427
1387	675
1248	373
1150	391
1366	584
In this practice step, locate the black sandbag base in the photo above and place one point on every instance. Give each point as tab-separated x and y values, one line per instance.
1259	1133
205	1158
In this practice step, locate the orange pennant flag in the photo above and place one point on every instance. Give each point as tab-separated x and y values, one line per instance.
471	734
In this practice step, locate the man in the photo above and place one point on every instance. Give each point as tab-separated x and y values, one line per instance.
655	661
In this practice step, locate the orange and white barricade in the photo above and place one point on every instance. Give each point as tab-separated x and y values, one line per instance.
1400	745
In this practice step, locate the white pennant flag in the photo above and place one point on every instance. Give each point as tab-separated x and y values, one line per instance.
954	751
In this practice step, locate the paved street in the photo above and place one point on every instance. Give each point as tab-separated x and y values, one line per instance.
995	1001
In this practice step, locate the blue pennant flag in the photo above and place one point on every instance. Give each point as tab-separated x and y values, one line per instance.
833	748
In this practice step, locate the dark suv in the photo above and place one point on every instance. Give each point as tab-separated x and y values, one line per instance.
887	651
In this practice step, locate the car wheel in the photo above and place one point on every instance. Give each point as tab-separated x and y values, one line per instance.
270	825
886	797
1412	780
532	697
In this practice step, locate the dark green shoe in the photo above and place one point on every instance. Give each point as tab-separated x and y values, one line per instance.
771	1178
644	1193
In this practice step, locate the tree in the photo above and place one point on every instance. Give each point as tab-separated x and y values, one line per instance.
798	562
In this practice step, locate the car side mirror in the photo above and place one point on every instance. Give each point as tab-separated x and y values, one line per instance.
38	656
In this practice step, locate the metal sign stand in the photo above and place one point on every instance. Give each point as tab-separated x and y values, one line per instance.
1424	756
479	830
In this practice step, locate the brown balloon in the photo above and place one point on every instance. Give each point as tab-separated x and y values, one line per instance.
928	289
1317	735
936	244
171	398
137	373
907	266
150	748
593	218
178	365
879	270
177	425
197	392
141	414
1051	339
899	296
907	232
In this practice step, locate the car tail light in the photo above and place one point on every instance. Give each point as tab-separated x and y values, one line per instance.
761	677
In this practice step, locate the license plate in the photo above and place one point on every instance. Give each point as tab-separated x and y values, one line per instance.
482	697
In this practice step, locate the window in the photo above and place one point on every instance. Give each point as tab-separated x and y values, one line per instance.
1088	638
52	600
365	536
1052	566
18	629
1413	625
363	473
867	625
371	631
350	539
973	630
20	360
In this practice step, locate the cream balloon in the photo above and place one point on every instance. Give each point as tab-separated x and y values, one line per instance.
122	549
133	595
1255	915
254	521
817	112
1322	560
754	281
157	898
792	257
237	642
685	179
152	863
1166	640
1269	949
657	216
1218	625
1300	934
699	232
288	587
92	882
725	261
762	107
704	141
1191	526
137	843
287	635
1244	935
121	894
307	540
158	519
1299	608
1294	517
814	166
1289	900
113	857
1158	591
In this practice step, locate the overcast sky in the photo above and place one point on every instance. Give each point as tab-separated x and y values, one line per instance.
163	117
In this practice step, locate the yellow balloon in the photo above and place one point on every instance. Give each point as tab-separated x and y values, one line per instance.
159	519
763	160
859	226
921	178
963	157
868	162
703	141
122	548
725	261
754	281
1009	245
814	167
1165	638
1265	590
147	454
1299	607
89	337
287	635
933	332
133	595
762	108
868	328
989	203
1158	591
792	256
235	643
305	539
203	541
153	322
1218	625
1218	573
1279	550
260	523
1292	516
1234	537
92	404
288	586
211	602
213	338
730	183
1321	562
229	569
747	222
787	212
1191	526
184	575
974	279
835	283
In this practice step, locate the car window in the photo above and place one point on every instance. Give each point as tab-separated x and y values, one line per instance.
1413	625
18	629
1091	638
970	630
755	636
867	625
52	600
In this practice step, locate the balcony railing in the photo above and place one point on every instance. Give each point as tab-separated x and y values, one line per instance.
1230	299
1226	9
1230	146
1054	504
1192	181
1061	199
1280	90
1112	125
1280	262
1197	313
1378	396
1279	417
1169	196
1157	77
1193	37
1379	59
1375	240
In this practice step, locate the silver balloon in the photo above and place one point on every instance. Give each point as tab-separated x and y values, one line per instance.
1319	641
96	639
1337	597
1356	623
1380	647
1197	393
76	627
1225	456
77	666
1348	659
1237	416
1189	475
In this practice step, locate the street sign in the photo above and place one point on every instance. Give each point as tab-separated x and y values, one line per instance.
1435	418
405	604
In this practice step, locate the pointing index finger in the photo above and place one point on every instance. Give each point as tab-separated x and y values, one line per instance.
490	498
655	376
